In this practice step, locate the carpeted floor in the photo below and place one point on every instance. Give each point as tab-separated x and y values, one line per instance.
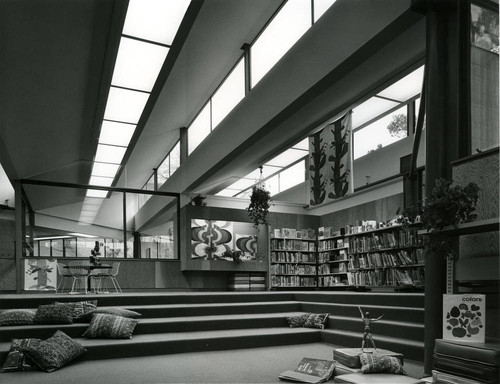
256	365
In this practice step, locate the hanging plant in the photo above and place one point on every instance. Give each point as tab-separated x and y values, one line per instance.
260	202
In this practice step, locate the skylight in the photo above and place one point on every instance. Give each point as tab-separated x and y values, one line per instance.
114	133
370	109
109	154
286	158
405	88
125	105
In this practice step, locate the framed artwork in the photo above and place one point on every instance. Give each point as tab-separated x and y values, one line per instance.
40	275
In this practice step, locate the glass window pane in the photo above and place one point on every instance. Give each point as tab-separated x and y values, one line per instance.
156	20
138	64
406	88
57	247
92	193
163	171
105	169
70	247
242	184
199	128
266	172
320	7
116	133
175	158
125	105
484	79
272	185
304	145
292	176
287	157
370	109
382	132
110	154
227	192
229	94
293	20
103	181
44	248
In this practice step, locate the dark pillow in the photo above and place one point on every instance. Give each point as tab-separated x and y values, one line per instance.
17	317
54	314
55	352
80	307
86	317
376	363
297	321
16	361
105	326
316	320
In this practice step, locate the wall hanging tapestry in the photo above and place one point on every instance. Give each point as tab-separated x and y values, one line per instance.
40	275
330	162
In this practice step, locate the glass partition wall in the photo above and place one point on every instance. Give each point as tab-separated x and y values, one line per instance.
71	221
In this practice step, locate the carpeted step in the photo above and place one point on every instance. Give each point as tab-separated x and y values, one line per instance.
411	349
415	300
167	343
396	313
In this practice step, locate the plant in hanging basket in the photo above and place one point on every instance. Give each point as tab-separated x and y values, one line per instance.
258	209
450	204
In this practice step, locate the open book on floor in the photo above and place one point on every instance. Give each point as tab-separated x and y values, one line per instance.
310	370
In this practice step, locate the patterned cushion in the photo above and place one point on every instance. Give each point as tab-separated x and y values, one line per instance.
86	317
106	326
297	321
80	307
54	314
316	320
55	352
17	317
16	361
376	363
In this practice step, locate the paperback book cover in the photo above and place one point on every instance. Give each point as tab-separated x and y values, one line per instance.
464	317
310	370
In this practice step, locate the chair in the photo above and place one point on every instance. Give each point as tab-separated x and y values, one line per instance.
80	270
111	274
64	274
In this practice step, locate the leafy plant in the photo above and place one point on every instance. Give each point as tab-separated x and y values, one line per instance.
340	146
198	201
260	202
318	161
233	254
450	204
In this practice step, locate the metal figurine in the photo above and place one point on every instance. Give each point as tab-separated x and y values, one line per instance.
367	335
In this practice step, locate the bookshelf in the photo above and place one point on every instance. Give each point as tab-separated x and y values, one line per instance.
333	260
293	258
388	257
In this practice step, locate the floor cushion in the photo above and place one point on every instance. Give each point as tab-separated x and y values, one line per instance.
16	360
106	326
80	307
87	317
17	317
54	314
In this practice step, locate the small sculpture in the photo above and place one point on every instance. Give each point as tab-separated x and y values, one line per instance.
367	335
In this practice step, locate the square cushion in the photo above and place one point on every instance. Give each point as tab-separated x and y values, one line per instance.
80	307
297	321
55	352
54	314
106	326
316	320
376	363
87	317
16	361
17	317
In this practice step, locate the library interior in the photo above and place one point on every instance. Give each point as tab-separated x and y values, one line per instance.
251	191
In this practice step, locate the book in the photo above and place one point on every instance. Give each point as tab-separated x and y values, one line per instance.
446	378
310	370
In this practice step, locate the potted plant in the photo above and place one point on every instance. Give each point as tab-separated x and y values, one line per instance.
450	204
233	254
198	201
258	209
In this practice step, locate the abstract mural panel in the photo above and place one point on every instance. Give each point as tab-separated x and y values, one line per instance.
40	275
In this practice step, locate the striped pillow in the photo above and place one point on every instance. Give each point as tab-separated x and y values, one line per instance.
80	307
16	361
376	363
106	326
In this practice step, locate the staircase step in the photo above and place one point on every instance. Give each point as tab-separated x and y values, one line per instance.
411	349
415	300
167	343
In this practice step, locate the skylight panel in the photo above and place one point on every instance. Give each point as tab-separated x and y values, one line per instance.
406	88
199	128
103	181
304	145
105	169
242	184
138	64
266	172
109	154
95	193
155	20
286	158
116	133
125	105
370	109
292	176
320	7
227	192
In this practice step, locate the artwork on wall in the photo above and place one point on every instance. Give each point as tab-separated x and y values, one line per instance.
330	159
40	275
211	238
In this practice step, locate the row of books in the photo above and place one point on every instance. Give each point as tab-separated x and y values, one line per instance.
325	257
384	240
292	245
331	281
292	233
387	277
326	232
293	281
387	259
333	268
292	257
293	269
326	245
